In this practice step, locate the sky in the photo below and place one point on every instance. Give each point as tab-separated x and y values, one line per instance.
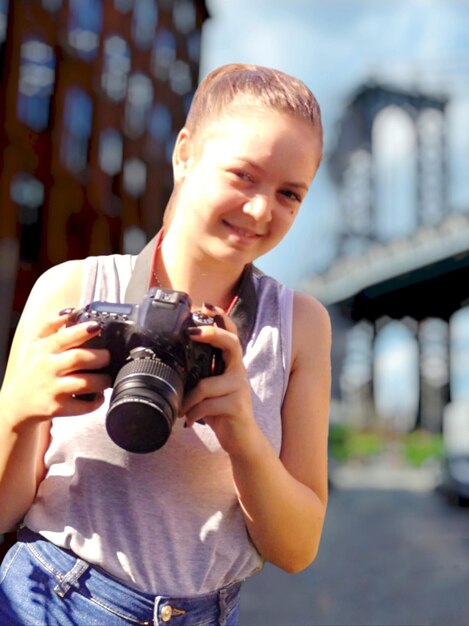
334	46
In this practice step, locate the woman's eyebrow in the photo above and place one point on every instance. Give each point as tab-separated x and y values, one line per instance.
297	185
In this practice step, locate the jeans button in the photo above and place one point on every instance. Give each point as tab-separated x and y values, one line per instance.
166	612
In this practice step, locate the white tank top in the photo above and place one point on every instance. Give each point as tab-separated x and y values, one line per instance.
167	522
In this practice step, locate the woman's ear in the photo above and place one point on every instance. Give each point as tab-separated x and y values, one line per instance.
182	155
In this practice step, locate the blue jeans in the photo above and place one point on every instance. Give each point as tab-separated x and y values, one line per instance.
43	585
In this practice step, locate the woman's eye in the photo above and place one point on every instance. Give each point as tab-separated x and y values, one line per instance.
291	195
242	175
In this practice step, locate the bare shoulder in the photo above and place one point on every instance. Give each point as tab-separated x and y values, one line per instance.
307	307
311	327
64	276
57	286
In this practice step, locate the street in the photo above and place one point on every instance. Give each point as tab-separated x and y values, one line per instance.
387	557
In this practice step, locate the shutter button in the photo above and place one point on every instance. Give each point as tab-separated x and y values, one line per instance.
166	612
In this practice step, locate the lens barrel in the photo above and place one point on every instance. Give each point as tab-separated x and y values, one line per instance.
144	405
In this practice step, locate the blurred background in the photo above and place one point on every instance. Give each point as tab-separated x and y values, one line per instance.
92	94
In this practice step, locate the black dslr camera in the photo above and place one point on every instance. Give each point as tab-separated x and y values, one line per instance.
153	363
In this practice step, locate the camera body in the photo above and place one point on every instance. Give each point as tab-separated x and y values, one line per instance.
153	364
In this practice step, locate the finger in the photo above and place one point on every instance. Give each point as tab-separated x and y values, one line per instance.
220	318
213	386
74	336
82	359
224	340
211	407
79	384
52	325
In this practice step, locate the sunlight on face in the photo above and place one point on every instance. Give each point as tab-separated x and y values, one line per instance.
246	119
244	179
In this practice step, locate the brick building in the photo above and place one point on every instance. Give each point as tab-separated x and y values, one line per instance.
92	94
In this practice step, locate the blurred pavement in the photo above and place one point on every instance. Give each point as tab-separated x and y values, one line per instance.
389	556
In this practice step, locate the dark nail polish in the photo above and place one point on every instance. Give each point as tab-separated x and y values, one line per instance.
66	311
194	330
219	321
202	422
93	328
87	397
209	306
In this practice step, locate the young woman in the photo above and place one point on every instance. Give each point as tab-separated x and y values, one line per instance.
113	537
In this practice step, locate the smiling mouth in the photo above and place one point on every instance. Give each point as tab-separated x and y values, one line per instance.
241	232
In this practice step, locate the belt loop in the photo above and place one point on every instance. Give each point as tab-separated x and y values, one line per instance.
222	606
70	579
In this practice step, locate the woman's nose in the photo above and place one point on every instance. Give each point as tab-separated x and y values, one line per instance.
259	207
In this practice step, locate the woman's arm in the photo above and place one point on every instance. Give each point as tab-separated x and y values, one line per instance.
283	499
40	378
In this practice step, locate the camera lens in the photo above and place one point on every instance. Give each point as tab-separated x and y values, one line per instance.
144	405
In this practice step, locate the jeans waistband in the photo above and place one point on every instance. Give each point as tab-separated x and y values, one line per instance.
73	574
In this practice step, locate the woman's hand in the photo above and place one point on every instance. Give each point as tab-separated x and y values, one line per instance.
48	369
283	499
222	401
54	371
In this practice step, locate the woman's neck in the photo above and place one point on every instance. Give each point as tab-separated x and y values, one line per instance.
184	268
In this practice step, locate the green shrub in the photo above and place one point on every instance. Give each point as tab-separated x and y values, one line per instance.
348	443
421	446
345	443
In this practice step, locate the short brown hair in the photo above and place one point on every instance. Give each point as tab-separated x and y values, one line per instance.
271	88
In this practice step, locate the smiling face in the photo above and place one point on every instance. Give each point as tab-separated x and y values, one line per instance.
241	184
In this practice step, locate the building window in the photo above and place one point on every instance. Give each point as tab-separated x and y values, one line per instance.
169	147
160	122
164	54
36	82
144	23
78	116
134	240
160	125
180	78
139	101
135	177
187	101
116	68
84	27
3	20
123	6
28	193
111	148
184	17
193	46
52	5
166	5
